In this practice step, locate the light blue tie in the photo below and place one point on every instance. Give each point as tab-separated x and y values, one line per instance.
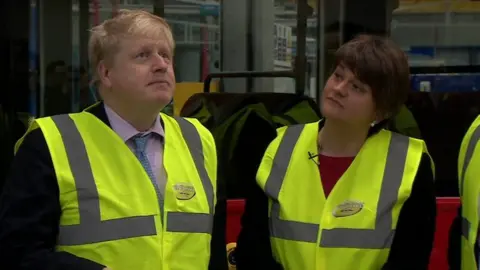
140	141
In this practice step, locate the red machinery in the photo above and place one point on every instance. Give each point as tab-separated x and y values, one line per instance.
446	212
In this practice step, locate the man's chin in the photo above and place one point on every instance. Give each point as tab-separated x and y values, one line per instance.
162	101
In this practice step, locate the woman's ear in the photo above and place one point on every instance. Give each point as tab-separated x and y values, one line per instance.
383	116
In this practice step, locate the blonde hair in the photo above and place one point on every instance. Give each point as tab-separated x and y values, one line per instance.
105	37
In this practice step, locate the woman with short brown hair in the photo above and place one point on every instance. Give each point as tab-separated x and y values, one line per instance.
344	193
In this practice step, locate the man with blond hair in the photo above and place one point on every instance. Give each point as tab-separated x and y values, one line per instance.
120	185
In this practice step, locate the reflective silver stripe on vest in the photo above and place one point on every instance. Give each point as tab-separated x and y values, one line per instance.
91	228
285	229
194	143
465	227
468	157
378	238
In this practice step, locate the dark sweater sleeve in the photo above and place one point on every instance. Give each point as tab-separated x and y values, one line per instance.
218	254
254	250
455	242
413	240
30	213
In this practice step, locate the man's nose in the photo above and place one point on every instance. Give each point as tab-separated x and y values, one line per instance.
160	63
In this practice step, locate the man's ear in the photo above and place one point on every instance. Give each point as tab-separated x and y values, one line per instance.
104	74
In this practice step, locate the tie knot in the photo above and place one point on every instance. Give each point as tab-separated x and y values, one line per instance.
140	141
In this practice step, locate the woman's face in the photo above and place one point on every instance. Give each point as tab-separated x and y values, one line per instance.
347	99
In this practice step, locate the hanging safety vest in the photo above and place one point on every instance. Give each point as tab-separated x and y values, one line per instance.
469	186
354	227
110	211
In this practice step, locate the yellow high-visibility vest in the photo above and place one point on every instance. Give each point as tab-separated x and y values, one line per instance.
110	211
354	227
469	186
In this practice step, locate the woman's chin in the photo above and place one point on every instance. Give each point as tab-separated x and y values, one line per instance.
332	112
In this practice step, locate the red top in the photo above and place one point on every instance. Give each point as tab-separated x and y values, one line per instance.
331	169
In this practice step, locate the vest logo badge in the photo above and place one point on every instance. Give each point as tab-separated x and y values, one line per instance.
184	191
347	208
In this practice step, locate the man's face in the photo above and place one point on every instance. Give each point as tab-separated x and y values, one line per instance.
347	99
142	72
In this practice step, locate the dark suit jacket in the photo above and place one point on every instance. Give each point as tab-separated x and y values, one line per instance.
412	243
30	214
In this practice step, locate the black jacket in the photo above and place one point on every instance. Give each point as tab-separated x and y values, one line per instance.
30	214
411	245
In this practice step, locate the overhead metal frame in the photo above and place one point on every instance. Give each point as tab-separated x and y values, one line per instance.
245	74
159	8
250	45
300	56
320	65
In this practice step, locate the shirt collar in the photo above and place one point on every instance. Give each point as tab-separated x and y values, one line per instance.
125	130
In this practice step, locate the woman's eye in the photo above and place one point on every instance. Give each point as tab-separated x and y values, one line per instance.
357	88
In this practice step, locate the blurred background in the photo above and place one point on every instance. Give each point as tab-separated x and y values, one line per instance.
44	56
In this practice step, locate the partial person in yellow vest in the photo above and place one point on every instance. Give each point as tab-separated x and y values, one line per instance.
463	251
343	193
404	123
118	186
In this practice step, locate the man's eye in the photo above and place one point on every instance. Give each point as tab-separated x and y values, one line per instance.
166	56
142	55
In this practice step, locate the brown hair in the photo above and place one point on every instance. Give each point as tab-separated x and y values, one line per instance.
382	65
